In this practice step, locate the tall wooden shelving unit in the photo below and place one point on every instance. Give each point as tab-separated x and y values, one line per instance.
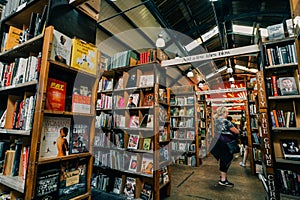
276	168
117	110
26	189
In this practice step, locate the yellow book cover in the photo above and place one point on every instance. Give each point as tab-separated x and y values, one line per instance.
13	37
84	56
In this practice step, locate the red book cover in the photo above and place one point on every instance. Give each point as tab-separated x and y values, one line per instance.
81	104
274	86
56	95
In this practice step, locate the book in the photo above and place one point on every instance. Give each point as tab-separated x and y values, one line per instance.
133	141
146	80
61	48
84	56
133	100
79	138
8	162
73	178
150	121
47	184
274	86
147	164
147	144
130	186
17	158
287	86
149	99
134	121
13	37
276	32
51	135
146	193
117	185
290	149
133	163
56	95
131	80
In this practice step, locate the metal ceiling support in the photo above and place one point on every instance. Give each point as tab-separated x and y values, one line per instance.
217	22
256	14
192	17
122	13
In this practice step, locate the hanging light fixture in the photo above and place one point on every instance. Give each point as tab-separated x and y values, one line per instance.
190	74
231	79
232	85
160	42
229	70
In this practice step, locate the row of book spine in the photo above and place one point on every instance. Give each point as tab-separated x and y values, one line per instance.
281	118
21	71
290	181
281	55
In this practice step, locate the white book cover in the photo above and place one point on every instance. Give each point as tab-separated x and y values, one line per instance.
61	48
51	135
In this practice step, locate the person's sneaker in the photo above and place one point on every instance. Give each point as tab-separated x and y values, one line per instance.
226	183
242	164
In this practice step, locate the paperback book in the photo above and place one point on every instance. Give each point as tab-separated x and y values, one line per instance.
133	163
147	165
79	138
61	48
130	185
290	149
133	141
146	193
117	185
56	95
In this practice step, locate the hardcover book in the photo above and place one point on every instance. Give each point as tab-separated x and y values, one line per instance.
146	193
47	184
13	37
133	163
134	121
84	56
133	141
131	80
146	80
117	185
61	48
147	165
149	99
147	144
287	86
56	95
129	189
50	138
290	149
133	100
79	138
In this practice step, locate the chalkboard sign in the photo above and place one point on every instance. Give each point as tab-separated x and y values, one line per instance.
47	184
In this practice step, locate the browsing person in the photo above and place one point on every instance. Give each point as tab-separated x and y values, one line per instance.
224	132
244	140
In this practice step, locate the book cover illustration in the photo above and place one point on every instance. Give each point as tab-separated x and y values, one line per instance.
146	193
84	56
132	80
147	144
133	141
51	136
287	86
130	185
47	184
61	48
81	99
147	165
79	138
146	80
117	185
72	179
56	95
134	121
290	149
133	100
149	99
133	163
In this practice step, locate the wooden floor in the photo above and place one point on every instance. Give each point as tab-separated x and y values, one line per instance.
202	182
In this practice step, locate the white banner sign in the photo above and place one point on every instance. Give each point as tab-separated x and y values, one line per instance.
213	55
221	91
227	99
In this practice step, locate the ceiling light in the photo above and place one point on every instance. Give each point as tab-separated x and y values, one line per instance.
229	70
190	74
213	0
251	70
231	79
160	42
200	85
177	56
232	85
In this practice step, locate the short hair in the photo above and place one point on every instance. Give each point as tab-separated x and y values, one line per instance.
221	111
65	129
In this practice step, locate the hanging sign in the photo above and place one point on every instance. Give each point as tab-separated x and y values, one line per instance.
212	55
222	91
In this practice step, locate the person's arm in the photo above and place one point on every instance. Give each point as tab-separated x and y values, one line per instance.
234	130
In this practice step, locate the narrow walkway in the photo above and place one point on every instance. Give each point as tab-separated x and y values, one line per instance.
202	182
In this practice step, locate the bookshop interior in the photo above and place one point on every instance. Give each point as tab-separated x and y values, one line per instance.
131	99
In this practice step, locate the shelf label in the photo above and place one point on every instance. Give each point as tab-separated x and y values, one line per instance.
212	55
261	90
